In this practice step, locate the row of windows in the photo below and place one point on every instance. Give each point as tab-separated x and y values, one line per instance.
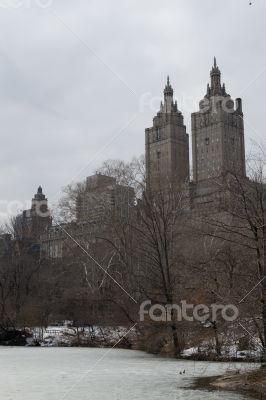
207	141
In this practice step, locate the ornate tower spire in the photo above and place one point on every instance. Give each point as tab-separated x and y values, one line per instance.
167	146
168	91
217	133
168	105
215	78
39	195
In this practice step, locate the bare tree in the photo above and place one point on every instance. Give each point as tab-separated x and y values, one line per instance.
149	242
240	223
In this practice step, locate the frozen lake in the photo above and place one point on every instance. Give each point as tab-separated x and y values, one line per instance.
101	374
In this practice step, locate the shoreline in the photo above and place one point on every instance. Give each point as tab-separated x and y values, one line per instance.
251	383
106	337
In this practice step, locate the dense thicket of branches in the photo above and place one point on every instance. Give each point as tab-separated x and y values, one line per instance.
159	251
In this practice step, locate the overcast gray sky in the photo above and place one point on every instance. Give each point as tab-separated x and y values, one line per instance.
80	80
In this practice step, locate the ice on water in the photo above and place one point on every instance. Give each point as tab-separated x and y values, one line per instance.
102	374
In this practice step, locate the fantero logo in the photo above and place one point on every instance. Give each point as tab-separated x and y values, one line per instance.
187	312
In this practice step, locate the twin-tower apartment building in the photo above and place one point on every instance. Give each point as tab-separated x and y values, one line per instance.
218	150
218	146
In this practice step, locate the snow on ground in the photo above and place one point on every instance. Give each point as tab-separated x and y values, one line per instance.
54	336
228	351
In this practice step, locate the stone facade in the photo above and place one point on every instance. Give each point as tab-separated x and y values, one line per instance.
101	200
218	150
218	133
218	145
33	222
57	242
102	196
167	146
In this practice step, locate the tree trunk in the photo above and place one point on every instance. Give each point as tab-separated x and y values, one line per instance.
217	342
176	342
263	300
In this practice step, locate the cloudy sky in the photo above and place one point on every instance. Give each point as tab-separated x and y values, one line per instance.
80	80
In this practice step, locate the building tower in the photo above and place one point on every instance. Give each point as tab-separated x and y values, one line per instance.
218	133
33	222
103	196
167	146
